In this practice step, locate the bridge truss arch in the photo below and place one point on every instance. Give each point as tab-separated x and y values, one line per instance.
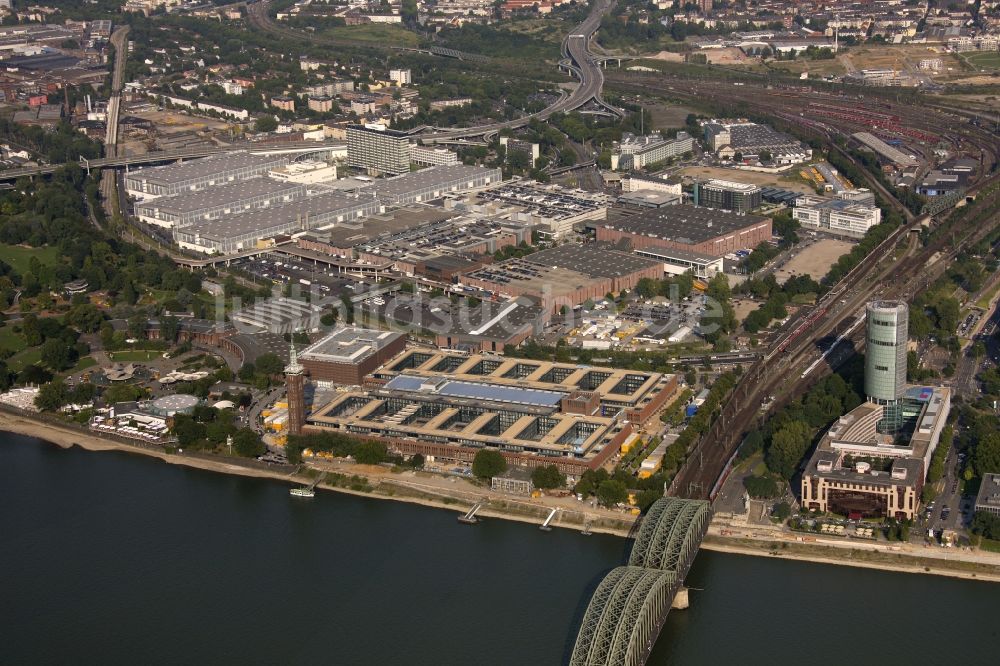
670	534
624	617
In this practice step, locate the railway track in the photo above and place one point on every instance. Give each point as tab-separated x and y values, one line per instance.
780	372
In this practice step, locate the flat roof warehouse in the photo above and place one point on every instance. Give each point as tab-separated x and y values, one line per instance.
222	195
305	214
683	223
173	174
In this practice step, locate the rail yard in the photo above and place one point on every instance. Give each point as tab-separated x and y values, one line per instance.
898	268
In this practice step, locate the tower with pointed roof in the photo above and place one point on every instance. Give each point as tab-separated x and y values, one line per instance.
295	384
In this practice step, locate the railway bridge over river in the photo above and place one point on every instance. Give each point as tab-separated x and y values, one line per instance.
629	606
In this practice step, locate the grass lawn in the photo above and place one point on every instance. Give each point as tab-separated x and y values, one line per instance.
11	340
391	35
984	300
24	358
984	59
136	355
20	257
82	364
990	545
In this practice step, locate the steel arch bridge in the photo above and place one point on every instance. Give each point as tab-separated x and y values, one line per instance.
624	617
670	535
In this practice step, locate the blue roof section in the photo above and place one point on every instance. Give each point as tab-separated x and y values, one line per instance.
477	391
920	393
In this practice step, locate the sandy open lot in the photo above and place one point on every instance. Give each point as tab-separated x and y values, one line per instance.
170	122
755	177
743	306
814	260
731	56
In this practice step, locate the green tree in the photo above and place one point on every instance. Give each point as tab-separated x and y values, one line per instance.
86	318
265	124
247	443
170	326
187	430
762	487
987	458
52	396
488	463
788	445
57	355
370	452
269	364
611	492
548	477
782	510
329	318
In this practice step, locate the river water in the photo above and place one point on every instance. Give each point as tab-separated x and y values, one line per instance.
109	558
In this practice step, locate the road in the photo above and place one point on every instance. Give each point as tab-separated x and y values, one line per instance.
172	155
575	50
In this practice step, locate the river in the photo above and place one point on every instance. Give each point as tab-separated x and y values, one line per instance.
111	558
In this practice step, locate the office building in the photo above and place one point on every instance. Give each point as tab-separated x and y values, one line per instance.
860	471
988	499
430	156
840	216
727	195
873	461
377	149
637	152
402	77
885	351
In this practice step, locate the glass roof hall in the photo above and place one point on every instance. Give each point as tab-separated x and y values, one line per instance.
476	391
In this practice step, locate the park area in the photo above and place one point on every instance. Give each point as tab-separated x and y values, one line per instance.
814	260
983	60
383	33
19	256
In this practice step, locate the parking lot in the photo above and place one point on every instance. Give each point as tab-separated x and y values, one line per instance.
280	269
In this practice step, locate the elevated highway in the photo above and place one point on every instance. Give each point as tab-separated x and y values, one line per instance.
628	608
577	59
160	156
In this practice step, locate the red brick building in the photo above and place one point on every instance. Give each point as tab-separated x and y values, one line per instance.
689	228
